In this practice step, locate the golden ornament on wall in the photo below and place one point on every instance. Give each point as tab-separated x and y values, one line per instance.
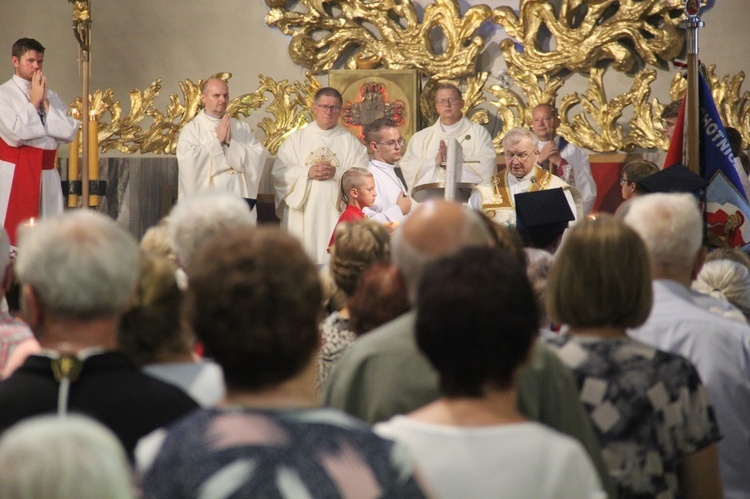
585	37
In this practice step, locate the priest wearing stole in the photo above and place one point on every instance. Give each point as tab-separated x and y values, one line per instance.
307	173
496	198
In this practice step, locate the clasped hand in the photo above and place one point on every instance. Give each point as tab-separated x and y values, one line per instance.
321	171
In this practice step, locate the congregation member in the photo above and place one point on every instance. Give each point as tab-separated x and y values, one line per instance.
383	374
357	192
13	332
78	272
496	197
200	218
542	217
33	122
473	441
425	157
62	458
725	280
153	334
561	158
671	226
307	174
632	172
657	429
357	246
215	150
392	203
253	300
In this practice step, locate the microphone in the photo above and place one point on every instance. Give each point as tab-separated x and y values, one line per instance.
533	180
468	137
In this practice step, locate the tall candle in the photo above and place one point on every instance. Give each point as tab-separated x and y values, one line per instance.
93	156
73	166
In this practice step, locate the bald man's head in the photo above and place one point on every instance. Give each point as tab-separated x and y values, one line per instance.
436	229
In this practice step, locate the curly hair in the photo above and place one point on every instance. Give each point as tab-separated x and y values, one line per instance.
253	301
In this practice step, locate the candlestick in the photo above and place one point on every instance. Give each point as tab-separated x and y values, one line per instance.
73	172
93	156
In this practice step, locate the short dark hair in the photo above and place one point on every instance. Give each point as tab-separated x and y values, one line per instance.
445	85
253	300
329	92
635	170
23	45
380	296
671	110
735	139
379	124
477	318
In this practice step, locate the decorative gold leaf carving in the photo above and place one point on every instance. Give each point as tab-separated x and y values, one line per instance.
322	36
585	34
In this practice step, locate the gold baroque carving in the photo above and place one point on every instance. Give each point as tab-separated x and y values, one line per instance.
589	36
588	33
289	109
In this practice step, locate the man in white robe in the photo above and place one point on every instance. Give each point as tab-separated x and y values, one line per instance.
215	151
567	161
424	160
33	122
392	202
307	173
496	198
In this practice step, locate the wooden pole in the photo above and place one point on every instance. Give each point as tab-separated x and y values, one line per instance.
691	24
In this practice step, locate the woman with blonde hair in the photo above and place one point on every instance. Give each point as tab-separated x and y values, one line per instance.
356	247
649	408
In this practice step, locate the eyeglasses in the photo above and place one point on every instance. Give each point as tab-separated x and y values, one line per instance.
521	156
448	102
393	143
624	181
329	109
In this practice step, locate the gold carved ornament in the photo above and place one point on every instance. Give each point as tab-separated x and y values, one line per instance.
588	37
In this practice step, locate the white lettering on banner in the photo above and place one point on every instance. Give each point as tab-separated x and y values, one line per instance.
717	136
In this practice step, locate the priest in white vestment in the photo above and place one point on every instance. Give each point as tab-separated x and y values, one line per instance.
307	173
33	122
392	202
424	160
215	151
496	198
563	159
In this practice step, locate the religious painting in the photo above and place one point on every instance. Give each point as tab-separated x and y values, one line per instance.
373	94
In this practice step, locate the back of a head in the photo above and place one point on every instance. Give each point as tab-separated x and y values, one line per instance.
253	301
600	277
726	280
358	244
476	319
537	270
156	239
733	254
80	264
672	228
152	326
196	220
380	296
437	228
51	457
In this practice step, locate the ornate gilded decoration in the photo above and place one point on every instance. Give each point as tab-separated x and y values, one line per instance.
549	42
587	33
290	110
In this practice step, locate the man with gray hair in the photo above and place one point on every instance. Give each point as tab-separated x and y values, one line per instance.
384	374
671	225
12	331
78	272
200	218
496	197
